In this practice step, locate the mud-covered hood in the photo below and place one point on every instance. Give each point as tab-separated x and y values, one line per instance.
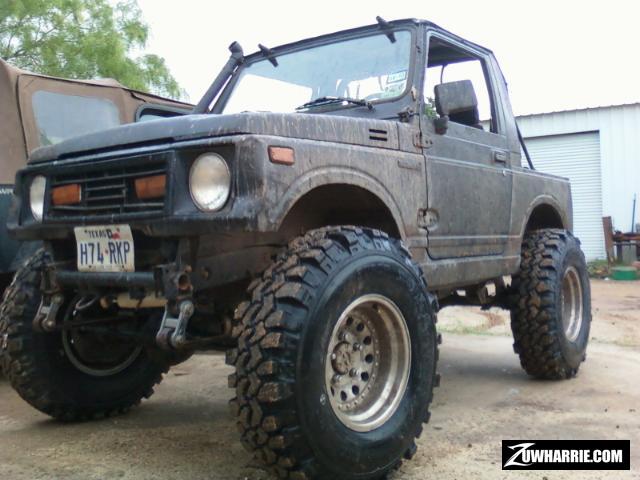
330	128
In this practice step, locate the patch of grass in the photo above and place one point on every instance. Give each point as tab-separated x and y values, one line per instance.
461	329
598	269
469	321
470	331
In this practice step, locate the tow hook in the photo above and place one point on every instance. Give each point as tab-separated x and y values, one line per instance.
172	333
45	318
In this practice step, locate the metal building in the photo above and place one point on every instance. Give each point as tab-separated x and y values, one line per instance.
598	149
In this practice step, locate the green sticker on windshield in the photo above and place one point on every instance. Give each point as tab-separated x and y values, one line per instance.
397	77
392	90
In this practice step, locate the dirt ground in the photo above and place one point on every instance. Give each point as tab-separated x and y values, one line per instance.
185	432
615	307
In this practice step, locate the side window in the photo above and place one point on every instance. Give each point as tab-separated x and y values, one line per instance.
447	63
157	112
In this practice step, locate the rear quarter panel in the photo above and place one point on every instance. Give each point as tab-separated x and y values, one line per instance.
531	189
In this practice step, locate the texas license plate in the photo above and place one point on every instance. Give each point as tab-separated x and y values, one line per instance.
105	248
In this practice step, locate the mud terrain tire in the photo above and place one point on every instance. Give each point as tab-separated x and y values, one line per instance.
551	289
39	371
283	405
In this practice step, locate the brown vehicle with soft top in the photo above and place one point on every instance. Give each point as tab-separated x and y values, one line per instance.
350	184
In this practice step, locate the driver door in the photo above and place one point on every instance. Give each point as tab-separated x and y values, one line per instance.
469	178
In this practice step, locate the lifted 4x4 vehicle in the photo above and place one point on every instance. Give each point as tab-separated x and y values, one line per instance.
349	218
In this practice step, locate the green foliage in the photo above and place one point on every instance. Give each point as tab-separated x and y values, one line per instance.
598	269
430	108
83	39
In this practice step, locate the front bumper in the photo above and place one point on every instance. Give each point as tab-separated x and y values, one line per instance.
146	280
168	281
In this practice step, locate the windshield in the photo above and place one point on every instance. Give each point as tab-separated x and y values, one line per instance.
61	116
367	68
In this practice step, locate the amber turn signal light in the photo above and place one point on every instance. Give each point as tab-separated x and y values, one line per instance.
281	155
151	187
66	195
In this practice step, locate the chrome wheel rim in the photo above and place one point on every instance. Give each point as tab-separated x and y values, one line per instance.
368	363
571	300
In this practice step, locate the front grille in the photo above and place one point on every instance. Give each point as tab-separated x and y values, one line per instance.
108	190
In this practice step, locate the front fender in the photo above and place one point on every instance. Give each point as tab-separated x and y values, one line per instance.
333	175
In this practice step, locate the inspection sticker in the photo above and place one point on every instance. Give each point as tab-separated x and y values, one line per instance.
397	77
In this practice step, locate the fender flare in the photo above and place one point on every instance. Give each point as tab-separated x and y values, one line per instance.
550	201
339	176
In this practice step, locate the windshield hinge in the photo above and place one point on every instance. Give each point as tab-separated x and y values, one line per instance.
406	113
419	140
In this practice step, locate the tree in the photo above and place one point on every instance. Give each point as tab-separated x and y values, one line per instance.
83	39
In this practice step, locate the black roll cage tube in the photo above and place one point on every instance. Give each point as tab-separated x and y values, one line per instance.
235	60
524	147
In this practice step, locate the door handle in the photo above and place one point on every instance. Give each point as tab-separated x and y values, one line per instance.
500	156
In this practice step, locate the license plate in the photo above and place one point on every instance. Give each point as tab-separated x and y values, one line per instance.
105	248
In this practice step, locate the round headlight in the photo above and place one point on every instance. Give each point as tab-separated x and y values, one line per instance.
209	182
36	196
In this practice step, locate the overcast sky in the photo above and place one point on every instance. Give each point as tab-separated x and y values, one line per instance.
556	55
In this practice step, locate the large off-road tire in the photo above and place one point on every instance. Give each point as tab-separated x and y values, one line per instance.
339	317
551	314
41	371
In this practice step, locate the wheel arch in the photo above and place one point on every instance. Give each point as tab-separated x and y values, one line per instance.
545	212
352	198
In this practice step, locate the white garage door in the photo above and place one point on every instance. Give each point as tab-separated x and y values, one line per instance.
576	156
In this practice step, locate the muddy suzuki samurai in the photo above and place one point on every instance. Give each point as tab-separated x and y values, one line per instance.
352	183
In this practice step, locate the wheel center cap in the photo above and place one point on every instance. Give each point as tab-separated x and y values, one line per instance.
341	358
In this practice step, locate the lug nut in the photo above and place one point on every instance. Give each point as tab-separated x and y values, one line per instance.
333	356
353	372
336	378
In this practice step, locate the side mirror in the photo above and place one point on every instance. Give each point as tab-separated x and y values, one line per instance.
456	101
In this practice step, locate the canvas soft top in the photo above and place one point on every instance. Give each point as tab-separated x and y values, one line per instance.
18	129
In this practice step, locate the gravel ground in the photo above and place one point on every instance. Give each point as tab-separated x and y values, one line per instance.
185	431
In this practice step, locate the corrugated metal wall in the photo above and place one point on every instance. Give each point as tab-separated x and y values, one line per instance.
619	128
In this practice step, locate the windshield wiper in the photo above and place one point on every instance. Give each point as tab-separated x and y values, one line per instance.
331	100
